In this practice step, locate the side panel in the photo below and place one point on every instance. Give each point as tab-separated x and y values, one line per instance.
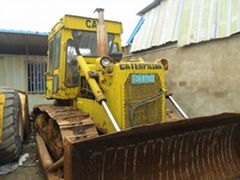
90	24
56	82
64	91
95	110
133	104
2	101
25	112
49	86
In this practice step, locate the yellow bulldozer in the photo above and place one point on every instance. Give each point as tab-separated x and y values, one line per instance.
108	120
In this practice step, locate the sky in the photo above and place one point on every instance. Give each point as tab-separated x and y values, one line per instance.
41	16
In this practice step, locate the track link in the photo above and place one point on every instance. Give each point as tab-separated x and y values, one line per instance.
56	123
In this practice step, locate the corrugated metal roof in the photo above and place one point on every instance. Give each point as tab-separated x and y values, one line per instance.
161	25
17	42
187	21
149	7
203	20
23	32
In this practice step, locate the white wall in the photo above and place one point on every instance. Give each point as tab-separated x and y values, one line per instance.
204	77
13	73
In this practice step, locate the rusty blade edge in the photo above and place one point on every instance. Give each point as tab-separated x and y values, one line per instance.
87	158
173	128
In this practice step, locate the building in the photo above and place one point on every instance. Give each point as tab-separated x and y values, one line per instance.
23	63
200	39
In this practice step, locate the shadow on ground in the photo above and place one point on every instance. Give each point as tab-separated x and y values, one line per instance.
30	170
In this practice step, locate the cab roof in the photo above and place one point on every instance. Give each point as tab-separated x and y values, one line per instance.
84	23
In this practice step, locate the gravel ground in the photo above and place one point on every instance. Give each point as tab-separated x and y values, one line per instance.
31	169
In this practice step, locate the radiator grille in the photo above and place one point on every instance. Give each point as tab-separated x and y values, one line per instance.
146	113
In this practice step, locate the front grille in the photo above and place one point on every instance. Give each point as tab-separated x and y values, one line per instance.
147	113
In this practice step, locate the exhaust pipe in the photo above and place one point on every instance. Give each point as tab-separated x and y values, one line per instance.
103	51
101	34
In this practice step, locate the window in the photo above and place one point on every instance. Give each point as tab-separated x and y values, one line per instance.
50	64
54	50
72	69
87	42
36	77
114	48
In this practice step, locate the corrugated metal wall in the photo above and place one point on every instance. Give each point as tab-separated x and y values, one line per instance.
188	21
161	25
203	20
13	73
202	78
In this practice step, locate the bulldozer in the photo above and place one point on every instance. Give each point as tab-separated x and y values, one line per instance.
108	120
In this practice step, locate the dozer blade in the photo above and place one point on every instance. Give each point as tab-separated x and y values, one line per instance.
200	148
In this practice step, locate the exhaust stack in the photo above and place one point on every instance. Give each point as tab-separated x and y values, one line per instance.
101	34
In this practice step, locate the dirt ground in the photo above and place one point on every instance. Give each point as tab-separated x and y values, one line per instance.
30	170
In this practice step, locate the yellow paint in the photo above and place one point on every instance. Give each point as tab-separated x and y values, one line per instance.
84	23
92	82
24	121
2	102
109	83
64	28
112	86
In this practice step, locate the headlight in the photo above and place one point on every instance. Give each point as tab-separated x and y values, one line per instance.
105	62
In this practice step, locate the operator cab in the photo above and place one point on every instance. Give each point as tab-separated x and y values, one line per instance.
75	35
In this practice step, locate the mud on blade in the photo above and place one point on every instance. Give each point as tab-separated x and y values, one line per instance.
200	148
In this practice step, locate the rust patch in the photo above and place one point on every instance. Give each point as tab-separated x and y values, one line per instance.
200	148
54	124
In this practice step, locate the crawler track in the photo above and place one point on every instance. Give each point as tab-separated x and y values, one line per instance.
53	125
199	148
